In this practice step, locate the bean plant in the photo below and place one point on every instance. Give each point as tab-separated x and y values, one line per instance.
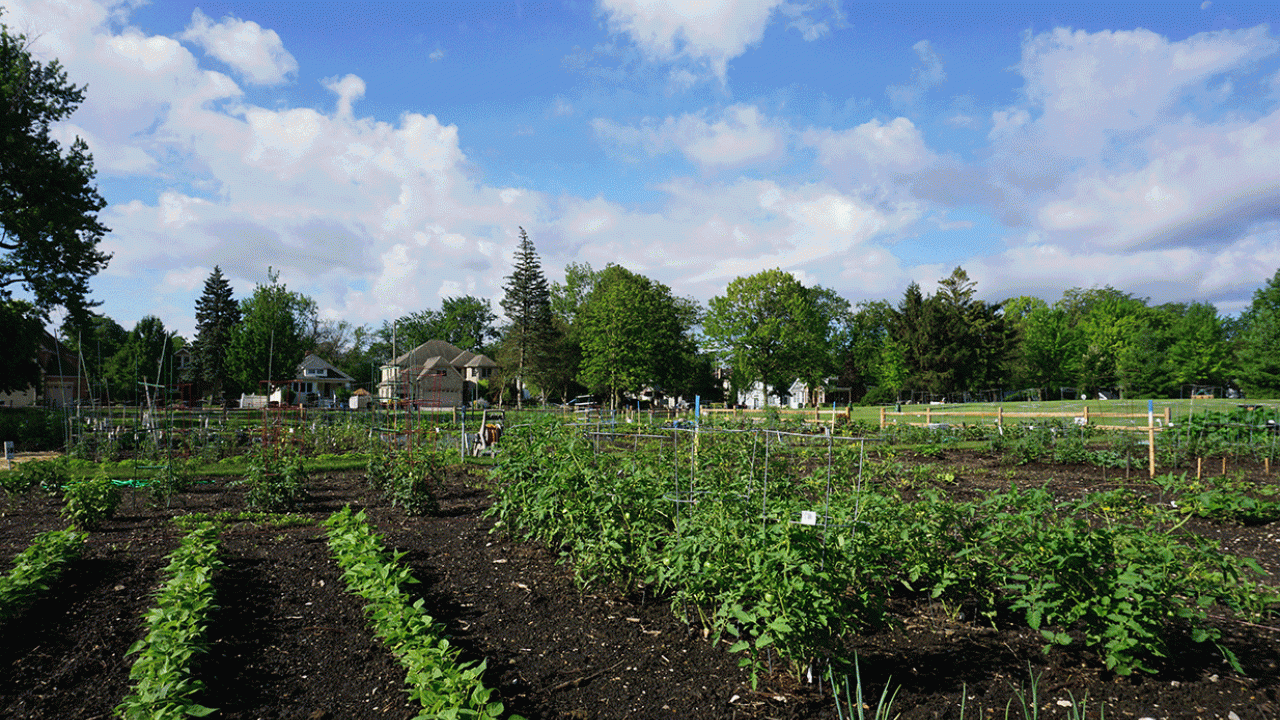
164	684
438	682
34	568
89	503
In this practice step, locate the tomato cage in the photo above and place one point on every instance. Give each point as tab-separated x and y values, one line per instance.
781	476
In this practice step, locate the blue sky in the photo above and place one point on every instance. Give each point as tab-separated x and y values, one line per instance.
381	156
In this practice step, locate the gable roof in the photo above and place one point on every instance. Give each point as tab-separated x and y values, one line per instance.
433	352
315	362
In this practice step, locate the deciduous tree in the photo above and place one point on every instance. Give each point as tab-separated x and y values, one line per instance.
1258	356
633	335
49	229
272	337
768	328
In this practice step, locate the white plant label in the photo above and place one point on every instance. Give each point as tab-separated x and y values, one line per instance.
808	517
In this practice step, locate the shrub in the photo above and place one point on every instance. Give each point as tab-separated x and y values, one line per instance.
90	502
278	486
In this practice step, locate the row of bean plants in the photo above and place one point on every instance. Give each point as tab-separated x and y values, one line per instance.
728	549
164	683
444	687
37	566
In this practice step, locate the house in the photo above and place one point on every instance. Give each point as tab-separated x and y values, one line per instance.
798	395
317	381
434	374
61	383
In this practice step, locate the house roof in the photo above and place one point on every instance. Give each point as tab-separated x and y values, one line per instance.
439	350
315	362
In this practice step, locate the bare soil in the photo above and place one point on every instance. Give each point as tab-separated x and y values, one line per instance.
289	642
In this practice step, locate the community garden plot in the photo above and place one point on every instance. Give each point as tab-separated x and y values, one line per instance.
624	644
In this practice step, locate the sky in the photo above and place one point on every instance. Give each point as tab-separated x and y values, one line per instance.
381	156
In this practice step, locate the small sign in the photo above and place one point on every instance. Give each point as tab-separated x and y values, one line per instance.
808	517
8	450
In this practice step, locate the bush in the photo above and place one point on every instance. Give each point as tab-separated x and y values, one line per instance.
32	429
278	486
90	502
48	475
879	396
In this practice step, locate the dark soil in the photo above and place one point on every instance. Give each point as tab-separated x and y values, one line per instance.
289	642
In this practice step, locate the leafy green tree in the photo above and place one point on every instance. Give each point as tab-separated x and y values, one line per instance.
217	315
866	333
1107	320
466	322
1050	349
1258	354
49	229
633	335
530	334
1200	353
568	298
143	367
23	328
272	337
769	328
96	339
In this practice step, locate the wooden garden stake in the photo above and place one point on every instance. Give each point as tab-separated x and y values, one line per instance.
1151	449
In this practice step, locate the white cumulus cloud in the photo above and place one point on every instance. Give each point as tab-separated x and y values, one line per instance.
256	54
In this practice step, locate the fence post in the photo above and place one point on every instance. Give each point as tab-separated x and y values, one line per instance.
1086	414
881	417
999	415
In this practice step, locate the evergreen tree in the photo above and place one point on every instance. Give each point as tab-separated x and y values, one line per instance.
530	333
217	315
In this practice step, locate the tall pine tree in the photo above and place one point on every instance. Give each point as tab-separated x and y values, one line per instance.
529	333
217	313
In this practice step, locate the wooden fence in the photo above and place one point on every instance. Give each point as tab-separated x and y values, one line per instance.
1084	416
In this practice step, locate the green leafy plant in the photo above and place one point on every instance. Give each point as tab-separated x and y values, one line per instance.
437	681
171	478
275	484
88	503
34	568
164	684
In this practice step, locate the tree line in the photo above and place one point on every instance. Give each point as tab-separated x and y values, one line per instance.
620	336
